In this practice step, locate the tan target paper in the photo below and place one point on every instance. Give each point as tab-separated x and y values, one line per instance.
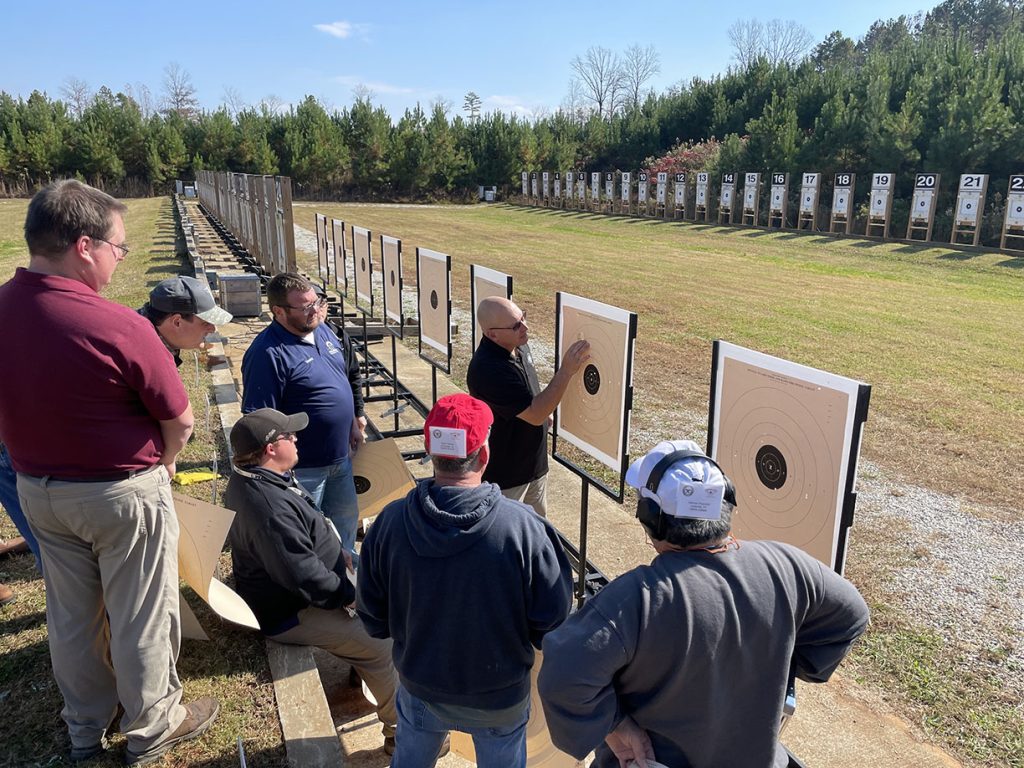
340	257
433	290
592	413
540	752
203	528
391	258
783	434
486	283
380	476
362	265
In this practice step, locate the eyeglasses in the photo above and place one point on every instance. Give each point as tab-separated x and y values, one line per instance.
312	307
285	436
122	248
518	324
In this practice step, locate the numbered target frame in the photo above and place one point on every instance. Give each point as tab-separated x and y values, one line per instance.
727	199
789	437
484	282
625	193
434	307
642	194
535	187
608	200
581	190
807	210
1013	219
880	205
702	197
594	414
751	199
661	207
970	204
556	198
778	201
545	188
526	185
842	202
362	266
340	258
323	250
922	206
595	191
678	195
391	279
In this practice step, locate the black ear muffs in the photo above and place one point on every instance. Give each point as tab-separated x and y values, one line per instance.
648	511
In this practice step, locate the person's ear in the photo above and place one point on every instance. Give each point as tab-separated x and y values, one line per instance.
484	456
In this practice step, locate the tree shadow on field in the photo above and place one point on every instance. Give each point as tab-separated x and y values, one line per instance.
1013	262
758	233
796	235
867	243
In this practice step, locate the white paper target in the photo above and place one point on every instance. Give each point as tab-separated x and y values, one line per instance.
680	193
879	202
661	190
840	200
749	197
702	194
558	187
547	182
626	183
533	184
526	178
921	206
778	195
968	207
1015	210
641	191
726	199
609	187
568	183
595	186
807	201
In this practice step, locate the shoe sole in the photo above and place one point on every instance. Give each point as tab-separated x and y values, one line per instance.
155	754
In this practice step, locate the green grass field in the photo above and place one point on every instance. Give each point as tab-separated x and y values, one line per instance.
938	333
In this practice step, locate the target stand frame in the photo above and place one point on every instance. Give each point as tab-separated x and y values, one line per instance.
701	210
926	190
973	188
1011	229
842	217
751	209
860	394
585	575
435	365
807	215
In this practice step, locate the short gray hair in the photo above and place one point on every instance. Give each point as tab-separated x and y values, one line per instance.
688	532
457	466
64	211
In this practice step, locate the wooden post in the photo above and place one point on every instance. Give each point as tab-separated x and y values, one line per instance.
880	205
842	202
751	199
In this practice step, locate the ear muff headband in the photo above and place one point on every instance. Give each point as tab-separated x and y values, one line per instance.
648	511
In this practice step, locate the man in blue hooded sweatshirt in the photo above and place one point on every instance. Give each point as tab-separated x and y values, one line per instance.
467	583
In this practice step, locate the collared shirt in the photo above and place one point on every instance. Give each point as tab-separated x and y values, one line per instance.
507	382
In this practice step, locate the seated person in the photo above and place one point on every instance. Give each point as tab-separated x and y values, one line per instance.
288	561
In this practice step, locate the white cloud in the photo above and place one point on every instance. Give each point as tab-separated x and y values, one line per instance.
507	104
377	87
342	29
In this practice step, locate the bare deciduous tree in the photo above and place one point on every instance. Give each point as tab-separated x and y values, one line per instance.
76	94
142	96
639	65
232	99
574	103
599	72
777	41
179	92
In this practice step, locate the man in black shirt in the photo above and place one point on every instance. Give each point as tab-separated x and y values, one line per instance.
501	374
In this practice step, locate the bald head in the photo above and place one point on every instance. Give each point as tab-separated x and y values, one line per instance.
499	318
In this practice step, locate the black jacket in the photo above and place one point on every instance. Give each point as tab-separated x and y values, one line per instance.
286	555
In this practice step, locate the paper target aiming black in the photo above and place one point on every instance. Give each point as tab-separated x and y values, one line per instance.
340	257
380	476
788	436
593	415
362	266
485	282
434	304
391	280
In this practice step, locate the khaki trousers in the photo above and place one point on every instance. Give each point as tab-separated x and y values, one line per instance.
534	494
110	563
345	637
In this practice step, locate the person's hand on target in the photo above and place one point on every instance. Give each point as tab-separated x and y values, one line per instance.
575	356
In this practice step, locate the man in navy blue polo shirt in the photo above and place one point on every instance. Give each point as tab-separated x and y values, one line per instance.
298	364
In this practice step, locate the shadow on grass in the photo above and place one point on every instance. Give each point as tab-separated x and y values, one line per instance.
20	624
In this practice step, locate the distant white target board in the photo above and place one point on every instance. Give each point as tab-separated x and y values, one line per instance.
641	188
595	187
728	190
1015	202
662	184
627	185
881	190
751	187
581	187
391	280
593	415
609	186
526	181
922	205
546	181
569	177
533	184
340	257
558	185
809	184
702	190
679	182
970	198
777	197
363	266
788	436
485	282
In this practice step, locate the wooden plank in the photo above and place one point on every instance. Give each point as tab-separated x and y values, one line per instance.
306	723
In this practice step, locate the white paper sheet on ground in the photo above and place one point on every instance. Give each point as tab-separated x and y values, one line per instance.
380	476
190	626
203	529
540	752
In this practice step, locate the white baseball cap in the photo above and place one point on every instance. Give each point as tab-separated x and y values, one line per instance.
691	488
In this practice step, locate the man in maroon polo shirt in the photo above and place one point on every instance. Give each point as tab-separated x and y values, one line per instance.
94	414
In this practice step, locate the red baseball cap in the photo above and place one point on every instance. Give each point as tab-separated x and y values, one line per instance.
456	426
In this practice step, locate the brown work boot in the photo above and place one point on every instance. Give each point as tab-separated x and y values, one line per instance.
199	715
14	546
6	594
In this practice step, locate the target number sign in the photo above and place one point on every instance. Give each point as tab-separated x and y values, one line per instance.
526	177
972	182
642	187
595	186
925	181
626	182
881	181
1015	202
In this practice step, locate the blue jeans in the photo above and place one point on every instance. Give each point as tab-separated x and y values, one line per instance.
10	502
334	492
421	733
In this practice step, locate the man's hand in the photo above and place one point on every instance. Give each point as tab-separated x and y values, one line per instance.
348	560
358	436
575	356
630	742
171	469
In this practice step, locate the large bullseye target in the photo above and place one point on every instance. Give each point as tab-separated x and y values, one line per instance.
788	436
363	264
391	261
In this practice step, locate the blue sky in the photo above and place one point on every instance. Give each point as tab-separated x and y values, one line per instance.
516	56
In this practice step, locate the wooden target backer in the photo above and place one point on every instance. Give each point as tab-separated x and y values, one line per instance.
727	199
340	257
679	195
526	183
1013	219
641	192
922	206
880	205
751	199
380	475
323	249
842	202
807	215
593	413
970	203
391	279
534	192
788	436
362	264
484	282
595	190
434	301
778	200
702	200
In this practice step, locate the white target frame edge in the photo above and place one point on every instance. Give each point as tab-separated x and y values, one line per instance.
494	277
388	314
858	394
443	347
615	314
369	267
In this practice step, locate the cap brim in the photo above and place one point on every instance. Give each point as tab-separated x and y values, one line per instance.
217	316
296	422
633	473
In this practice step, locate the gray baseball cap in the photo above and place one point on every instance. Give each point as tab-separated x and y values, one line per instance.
187	296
